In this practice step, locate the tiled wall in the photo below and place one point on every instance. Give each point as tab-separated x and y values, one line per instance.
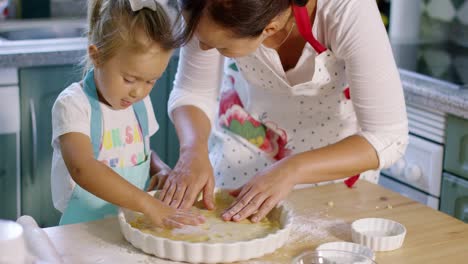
442	20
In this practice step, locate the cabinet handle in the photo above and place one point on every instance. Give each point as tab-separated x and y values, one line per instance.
2	177
34	139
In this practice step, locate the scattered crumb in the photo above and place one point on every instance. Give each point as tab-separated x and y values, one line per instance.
389	206
331	203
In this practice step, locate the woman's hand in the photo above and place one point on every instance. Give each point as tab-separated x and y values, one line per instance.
158	180
164	216
159	171
191	175
262	193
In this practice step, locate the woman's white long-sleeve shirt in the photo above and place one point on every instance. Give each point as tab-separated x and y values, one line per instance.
353	30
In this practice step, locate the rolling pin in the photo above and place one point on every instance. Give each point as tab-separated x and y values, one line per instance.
37	241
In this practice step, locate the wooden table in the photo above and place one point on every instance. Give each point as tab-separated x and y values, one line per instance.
432	237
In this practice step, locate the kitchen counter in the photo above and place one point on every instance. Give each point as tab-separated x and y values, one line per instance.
41	52
432	237
47	53
434	94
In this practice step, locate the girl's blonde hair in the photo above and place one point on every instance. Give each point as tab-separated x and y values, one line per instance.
113	24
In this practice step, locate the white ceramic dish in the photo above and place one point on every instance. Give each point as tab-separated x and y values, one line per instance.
12	244
206	252
331	257
348	246
378	234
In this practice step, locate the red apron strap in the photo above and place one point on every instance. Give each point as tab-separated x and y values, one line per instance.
347	94
303	24
351	180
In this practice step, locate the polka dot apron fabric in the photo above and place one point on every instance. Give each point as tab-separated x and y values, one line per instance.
262	118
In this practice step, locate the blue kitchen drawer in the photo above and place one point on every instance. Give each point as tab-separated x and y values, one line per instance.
39	87
165	141
8	177
456	146
454	197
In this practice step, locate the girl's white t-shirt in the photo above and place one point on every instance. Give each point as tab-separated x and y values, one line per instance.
122	142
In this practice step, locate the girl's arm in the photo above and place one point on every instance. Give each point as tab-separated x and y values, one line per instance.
102	181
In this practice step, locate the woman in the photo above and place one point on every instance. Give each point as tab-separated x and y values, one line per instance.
279	107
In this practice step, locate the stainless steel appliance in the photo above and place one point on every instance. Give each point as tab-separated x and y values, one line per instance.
418	175
9	144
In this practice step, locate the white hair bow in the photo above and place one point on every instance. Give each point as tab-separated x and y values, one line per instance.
151	4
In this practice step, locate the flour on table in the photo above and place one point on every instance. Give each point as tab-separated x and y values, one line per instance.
317	227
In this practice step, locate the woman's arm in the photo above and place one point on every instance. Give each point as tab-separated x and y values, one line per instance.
345	158
358	36
159	172
193	172
157	165
192	106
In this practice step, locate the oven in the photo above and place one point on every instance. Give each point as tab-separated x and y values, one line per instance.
418	174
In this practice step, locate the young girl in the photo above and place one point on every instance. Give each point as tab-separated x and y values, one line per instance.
102	125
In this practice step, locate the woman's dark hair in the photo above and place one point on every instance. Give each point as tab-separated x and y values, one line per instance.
245	18
300	2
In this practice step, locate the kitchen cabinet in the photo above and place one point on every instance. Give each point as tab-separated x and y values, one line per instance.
454	196
456	146
8	177
165	141
9	144
35	8
39	87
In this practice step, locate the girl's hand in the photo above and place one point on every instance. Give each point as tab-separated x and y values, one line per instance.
158	180
164	216
262	193
191	175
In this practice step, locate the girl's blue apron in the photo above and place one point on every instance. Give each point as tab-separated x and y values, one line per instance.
84	206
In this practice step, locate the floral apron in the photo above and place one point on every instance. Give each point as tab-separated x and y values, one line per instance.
262	118
83	205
